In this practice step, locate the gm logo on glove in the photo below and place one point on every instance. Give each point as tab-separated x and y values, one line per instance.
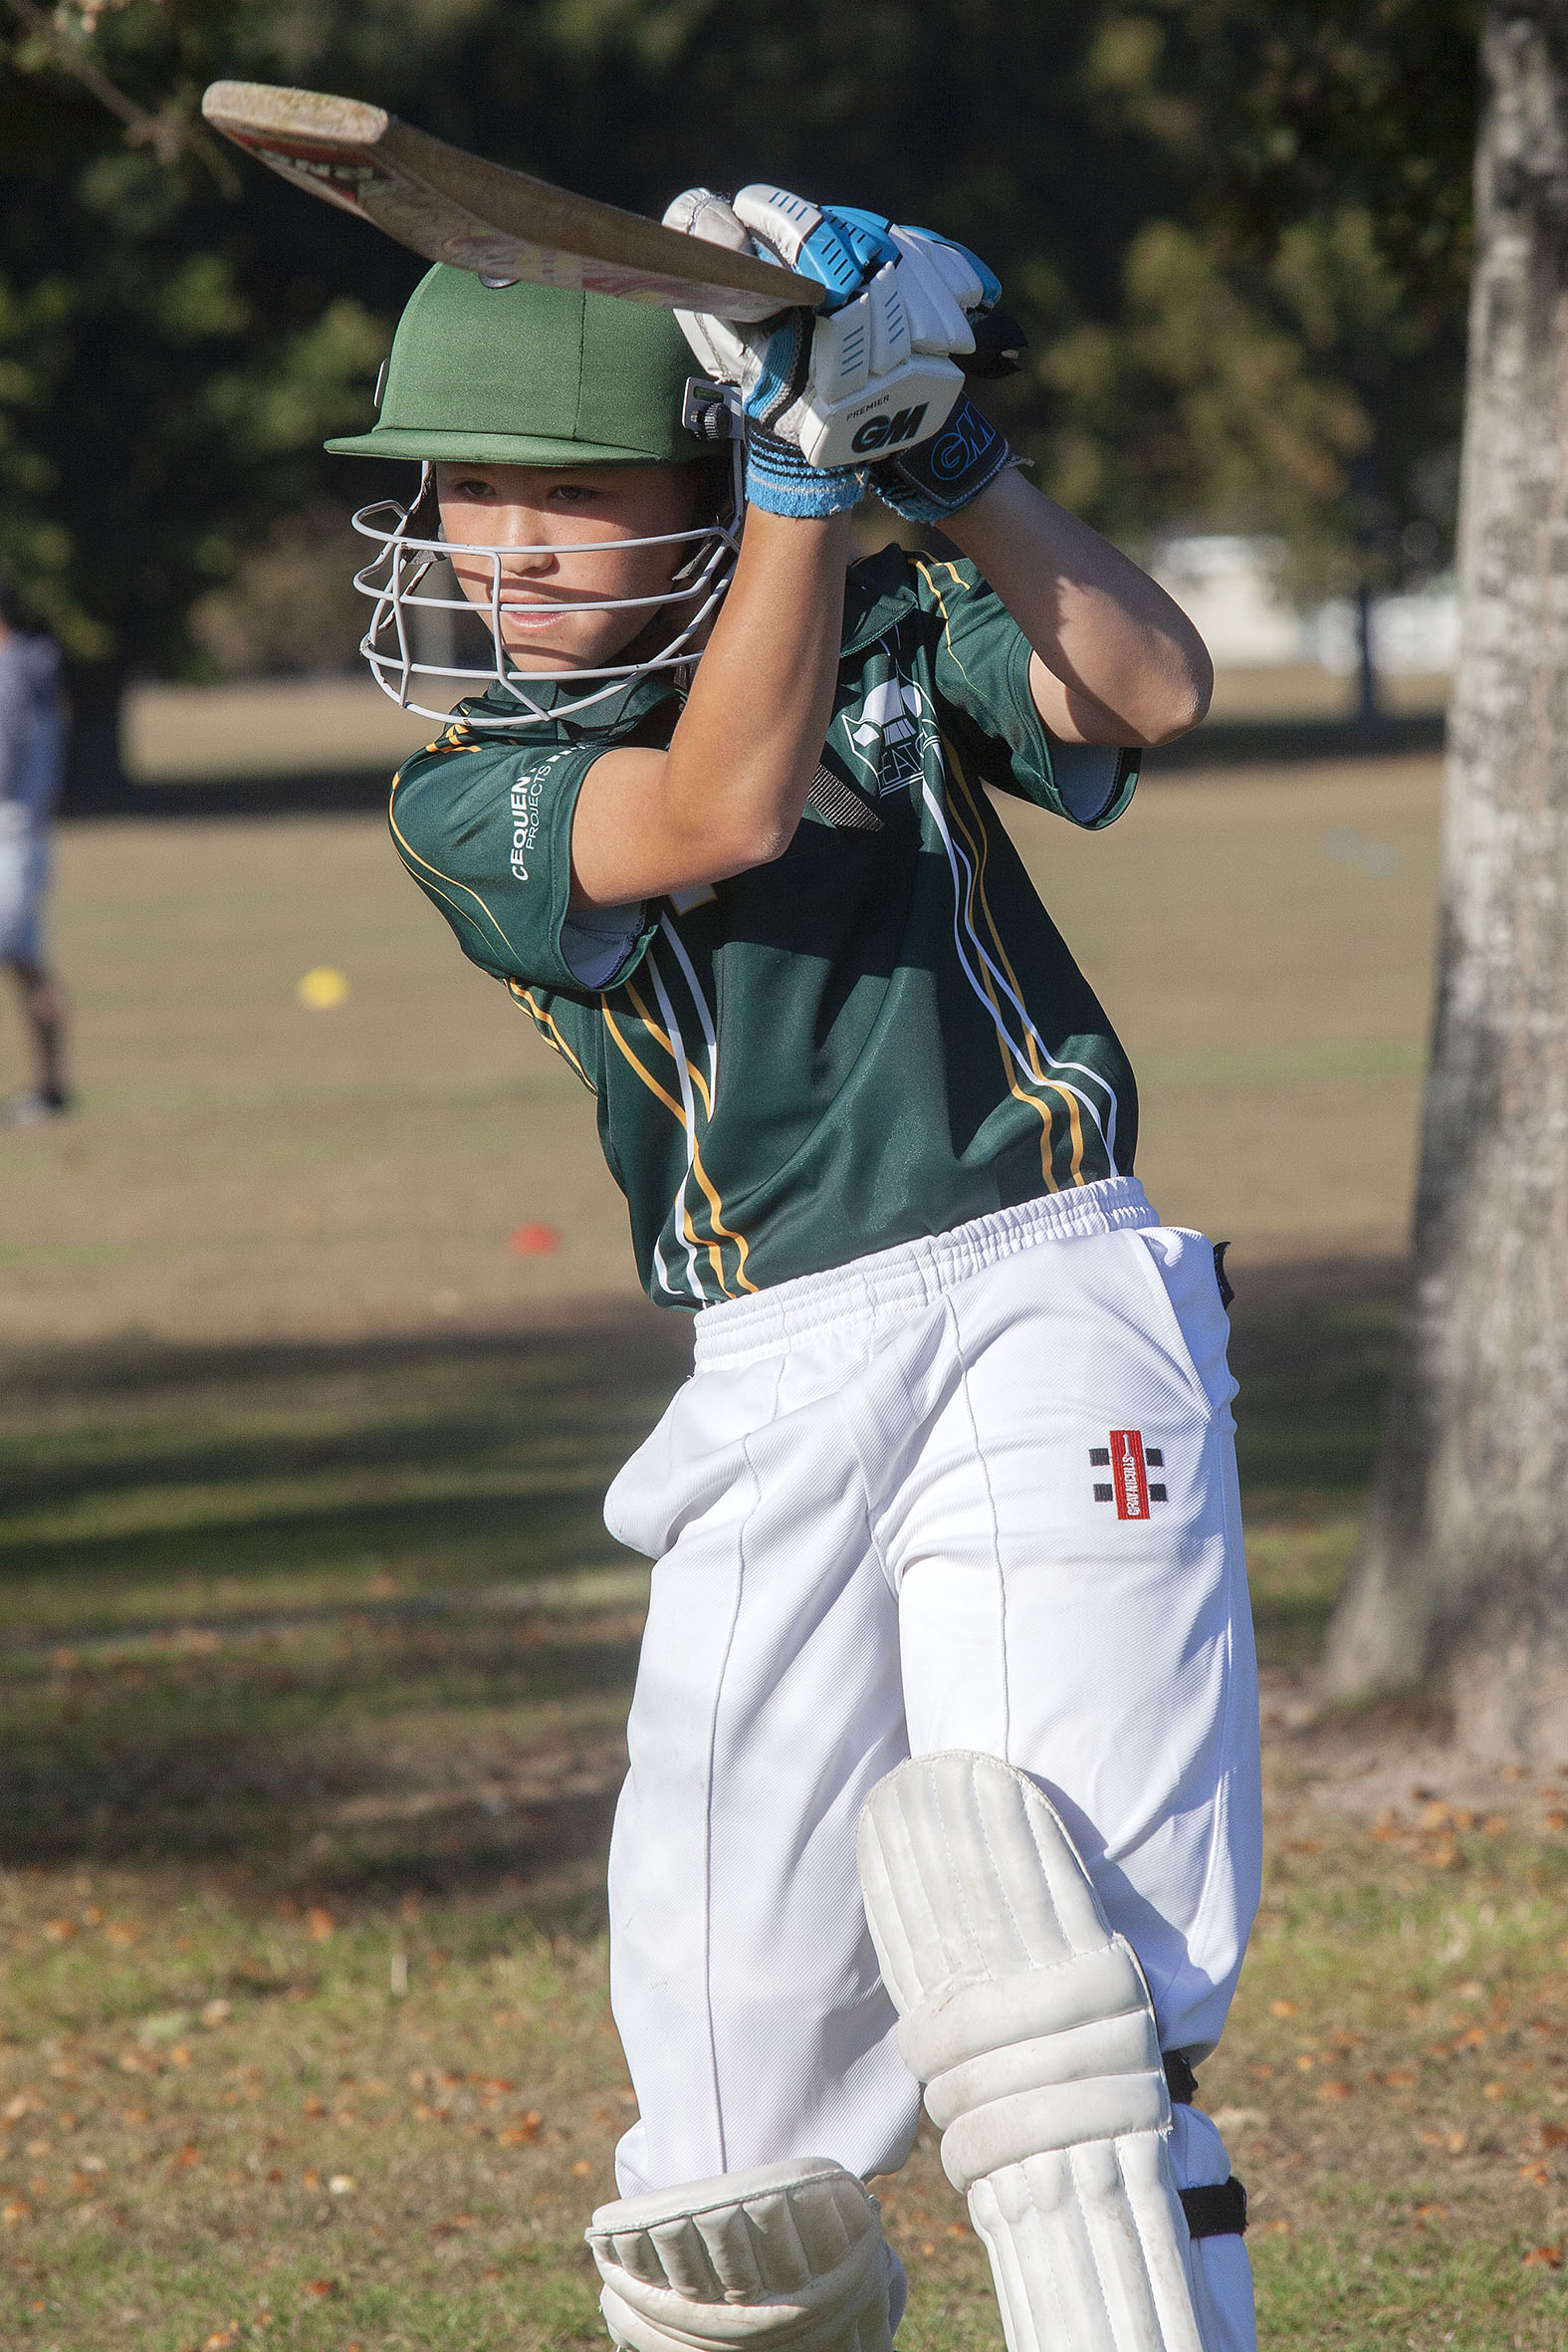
884	432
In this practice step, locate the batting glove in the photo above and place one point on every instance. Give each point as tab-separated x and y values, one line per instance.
871	368
946	473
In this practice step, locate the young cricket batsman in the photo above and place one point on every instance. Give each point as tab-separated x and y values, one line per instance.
943	1748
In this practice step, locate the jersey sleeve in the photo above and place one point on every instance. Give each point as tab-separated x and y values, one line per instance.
485	828
982	664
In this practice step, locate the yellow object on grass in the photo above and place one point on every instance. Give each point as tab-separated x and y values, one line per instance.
323	987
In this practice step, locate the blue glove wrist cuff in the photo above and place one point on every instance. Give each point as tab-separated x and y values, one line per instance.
779	479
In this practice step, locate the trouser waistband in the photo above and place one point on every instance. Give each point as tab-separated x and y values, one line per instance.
898	1280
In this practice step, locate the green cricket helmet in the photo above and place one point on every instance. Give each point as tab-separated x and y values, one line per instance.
513	373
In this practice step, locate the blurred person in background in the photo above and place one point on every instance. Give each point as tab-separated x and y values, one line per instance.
31	759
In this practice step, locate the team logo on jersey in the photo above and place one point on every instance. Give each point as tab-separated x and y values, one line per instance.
1129	1461
889	732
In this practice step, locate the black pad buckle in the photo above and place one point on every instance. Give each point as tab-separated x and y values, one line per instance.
1218	2212
1180	2080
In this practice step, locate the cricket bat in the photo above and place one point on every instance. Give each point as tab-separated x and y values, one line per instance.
457	209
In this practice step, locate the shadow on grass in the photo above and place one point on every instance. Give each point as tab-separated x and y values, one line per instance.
251	1603
134	1474
251	1595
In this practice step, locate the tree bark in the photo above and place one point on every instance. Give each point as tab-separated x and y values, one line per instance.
1463	1582
95	779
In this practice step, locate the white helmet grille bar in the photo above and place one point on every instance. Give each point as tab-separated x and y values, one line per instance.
392	581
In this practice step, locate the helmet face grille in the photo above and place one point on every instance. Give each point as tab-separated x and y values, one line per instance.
419	611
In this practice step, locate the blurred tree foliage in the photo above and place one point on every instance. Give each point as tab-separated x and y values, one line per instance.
1289	346
1235	229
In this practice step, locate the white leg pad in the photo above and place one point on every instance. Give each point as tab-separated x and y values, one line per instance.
1031	2025
789	2256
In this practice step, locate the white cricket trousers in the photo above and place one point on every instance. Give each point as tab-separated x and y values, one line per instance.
978	1492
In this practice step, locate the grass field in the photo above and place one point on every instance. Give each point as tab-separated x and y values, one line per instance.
319	1654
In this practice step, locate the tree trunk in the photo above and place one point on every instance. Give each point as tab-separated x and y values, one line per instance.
96	778
1368	709
1463	1582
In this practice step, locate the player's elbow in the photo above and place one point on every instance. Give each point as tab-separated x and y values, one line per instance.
729	831
1183	699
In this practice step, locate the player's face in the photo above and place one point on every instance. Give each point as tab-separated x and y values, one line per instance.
544	518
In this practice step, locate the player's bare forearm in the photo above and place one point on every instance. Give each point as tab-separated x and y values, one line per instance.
728	793
1116	660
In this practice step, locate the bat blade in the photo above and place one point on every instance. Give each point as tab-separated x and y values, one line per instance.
455	208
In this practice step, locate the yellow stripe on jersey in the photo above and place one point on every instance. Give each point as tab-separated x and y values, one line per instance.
653	1027
647	1078
545	1022
962	584
414	859
977	850
715	1204
715	1208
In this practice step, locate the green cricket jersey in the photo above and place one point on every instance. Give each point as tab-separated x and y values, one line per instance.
879	1034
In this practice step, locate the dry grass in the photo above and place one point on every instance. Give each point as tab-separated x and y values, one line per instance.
318	1655
245	1166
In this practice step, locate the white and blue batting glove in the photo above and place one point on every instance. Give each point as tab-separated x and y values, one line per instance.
872	368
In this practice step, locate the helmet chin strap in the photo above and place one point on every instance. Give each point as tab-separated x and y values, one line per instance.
411	542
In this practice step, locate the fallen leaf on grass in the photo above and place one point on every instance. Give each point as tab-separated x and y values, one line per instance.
1431	2212
318	1923
1398	2078
185	2157
322	2286
1553	2135
14	2212
1334	2090
1537	2172
59	1931
221	2338
450	2229
1283	2009
1544	2258
516	2134
213	2012
1495	2090
311	2178
581	2167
